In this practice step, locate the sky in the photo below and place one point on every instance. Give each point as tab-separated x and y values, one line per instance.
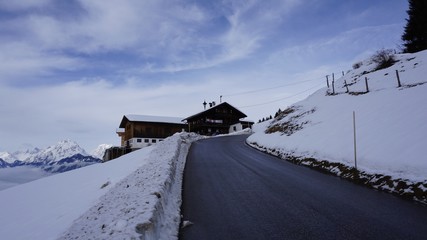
72	69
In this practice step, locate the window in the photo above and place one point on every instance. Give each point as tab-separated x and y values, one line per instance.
139	140
153	140
146	140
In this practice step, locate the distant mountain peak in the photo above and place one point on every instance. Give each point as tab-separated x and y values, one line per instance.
100	150
63	149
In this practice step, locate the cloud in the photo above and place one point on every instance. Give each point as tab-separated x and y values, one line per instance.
160	30
164	36
23	5
89	111
71	69
339	49
20	60
247	24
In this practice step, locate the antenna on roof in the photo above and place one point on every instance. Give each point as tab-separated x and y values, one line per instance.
220	99
204	104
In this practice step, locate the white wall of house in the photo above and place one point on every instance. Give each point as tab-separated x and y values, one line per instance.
135	143
235	128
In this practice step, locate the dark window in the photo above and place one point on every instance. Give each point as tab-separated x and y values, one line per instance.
153	141
138	140
146	140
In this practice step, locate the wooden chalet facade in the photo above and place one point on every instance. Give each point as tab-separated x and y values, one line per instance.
218	119
137	131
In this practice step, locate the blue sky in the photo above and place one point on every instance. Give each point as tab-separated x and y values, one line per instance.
72	69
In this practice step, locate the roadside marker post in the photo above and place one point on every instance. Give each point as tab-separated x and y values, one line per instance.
354	139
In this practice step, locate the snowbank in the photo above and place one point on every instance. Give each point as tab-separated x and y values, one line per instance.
137	195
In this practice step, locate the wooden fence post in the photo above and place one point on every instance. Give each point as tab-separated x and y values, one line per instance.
327	80
346	86
333	84
398	79
366	83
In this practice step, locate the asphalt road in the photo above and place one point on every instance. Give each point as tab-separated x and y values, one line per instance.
232	191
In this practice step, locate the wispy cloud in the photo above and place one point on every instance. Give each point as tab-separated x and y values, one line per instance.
336	49
23	5
247	23
20	60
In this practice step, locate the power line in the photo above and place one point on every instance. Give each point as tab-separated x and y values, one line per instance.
280	99
270	88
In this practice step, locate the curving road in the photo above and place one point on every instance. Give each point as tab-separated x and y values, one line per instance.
232	191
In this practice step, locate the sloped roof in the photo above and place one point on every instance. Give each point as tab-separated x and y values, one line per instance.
148	118
236	111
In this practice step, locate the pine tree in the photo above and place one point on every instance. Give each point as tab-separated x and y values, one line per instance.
415	35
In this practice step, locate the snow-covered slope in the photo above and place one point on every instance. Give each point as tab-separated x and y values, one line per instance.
135	196
391	124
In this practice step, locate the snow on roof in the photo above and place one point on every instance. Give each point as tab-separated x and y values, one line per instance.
148	118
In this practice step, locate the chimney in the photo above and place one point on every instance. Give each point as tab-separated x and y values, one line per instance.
204	104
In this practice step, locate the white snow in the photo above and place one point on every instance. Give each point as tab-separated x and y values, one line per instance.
100	150
7	157
61	150
136	195
391	122
20	155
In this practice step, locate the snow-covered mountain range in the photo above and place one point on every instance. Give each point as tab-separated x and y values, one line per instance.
63	156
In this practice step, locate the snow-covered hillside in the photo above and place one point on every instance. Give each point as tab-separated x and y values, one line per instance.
135	196
391	124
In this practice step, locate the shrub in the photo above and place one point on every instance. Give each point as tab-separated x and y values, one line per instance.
357	65
383	58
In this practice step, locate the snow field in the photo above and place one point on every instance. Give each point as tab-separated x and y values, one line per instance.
136	195
146	204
